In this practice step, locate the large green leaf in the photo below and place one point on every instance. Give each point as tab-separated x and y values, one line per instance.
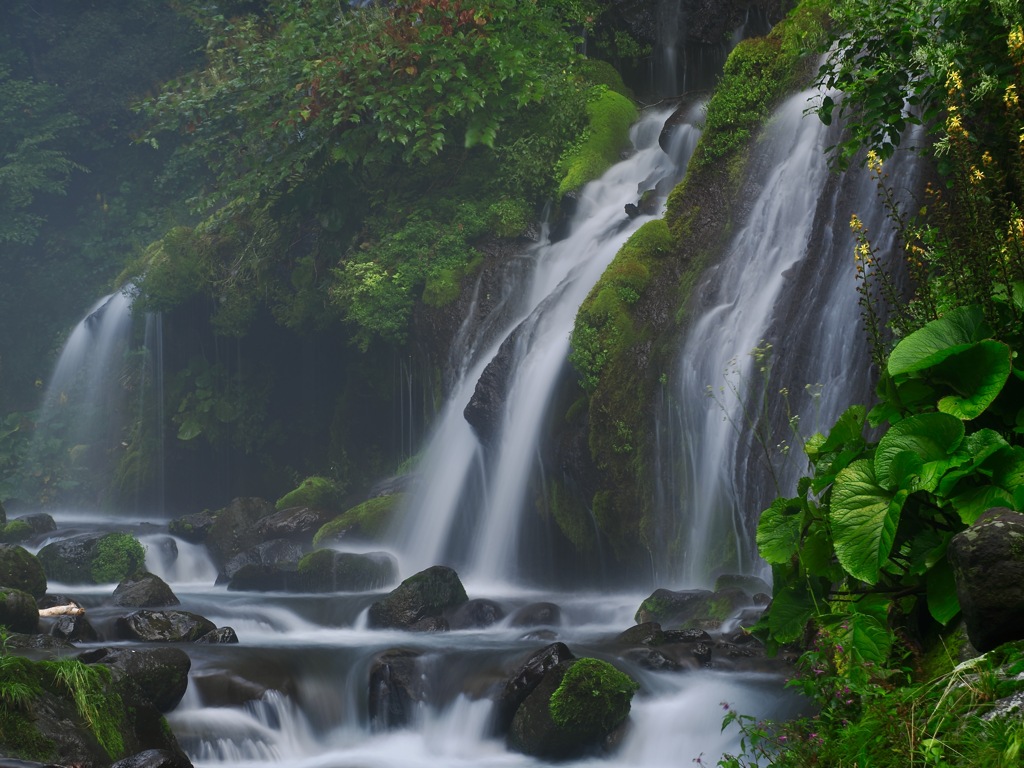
864	518
952	333
977	376
977	448
943	603
863	636
790	610
971	504
848	428
932	436
778	531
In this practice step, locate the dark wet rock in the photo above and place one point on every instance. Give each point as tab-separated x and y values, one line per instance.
38	522
35	642
988	565
219	636
165	548
235	528
163	626
76	629
692	607
702	652
276	554
18	611
226	689
397	688
525	680
476	613
572	711
632	210
154	758
687	636
545	635
295	523
144	590
430	624
326	570
537	615
161	674
648	633
427	594
486	407
263	578
20	569
193	528
650	658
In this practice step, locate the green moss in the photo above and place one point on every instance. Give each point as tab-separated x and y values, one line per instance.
313	492
573	518
368	520
593	697
101	709
610	116
117	556
598	72
15	531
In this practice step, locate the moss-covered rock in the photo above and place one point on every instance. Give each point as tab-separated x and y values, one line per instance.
15	531
573	710
610	115
313	492
425	595
366	522
20	569
93	558
234	528
326	570
18	611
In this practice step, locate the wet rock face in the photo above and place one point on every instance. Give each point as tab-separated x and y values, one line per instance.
236	527
988	565
425	595
18	611
160	673
19	569
145	590
396	689
486	408
525	681
163	626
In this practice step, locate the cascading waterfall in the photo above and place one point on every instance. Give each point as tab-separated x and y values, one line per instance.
468	510
779	307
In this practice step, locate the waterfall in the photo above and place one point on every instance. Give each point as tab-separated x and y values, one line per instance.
470	504
775	350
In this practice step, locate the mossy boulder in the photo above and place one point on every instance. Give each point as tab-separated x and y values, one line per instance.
18	611
326	570
687	608
294	523
525	680
609	117
193	528
313	493
20	569
575	708
93	558
365	522
423	596
15	531
235	527
160	673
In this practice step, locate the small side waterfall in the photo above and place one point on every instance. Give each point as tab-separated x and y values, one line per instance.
775	351
472	498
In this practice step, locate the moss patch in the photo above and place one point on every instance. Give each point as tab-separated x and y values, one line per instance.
610	116
368	520
593	697
118	555
313	492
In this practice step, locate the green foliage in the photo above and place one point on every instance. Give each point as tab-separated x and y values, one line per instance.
15	531
223	408
610	115
593	696
117	556
102	710
313	492
864	541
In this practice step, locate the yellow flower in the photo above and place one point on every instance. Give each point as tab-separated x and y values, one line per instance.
874	162
953	124
987	158
1010	97
953	82
976	175
1016	41
855	223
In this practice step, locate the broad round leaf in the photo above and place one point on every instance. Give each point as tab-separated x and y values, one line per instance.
789	612
930	345
977	375
931	436
778	531
864	518
943	604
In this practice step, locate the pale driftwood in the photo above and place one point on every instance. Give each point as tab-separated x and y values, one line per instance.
63	610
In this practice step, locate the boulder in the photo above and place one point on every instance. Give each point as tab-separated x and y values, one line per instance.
154	758
76	629
278	554
18	611
263	578
38	522
163	626
690	607
476	614
486	408
219	636
193	528
537	615
19	569
294	523
235	527
525	680
988	565
326	570
648	633
92	558
397	687
425	595
161	674
144	590
574	710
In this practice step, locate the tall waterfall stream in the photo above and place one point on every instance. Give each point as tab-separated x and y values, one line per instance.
305	659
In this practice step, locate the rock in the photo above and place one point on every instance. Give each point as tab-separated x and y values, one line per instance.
687	636
38	522
154	758
702	652
537	615
145	590
476	614
235	528
276	554
427	594
691	607
525	680
649	658
648	633
193	528
750	585
18	611
574	709
92	558
3	514
326	570
396	688
163	626
263	578
161	674
632	210
296	523
19	569
486	407
219	636
988	565
226	689
77	629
